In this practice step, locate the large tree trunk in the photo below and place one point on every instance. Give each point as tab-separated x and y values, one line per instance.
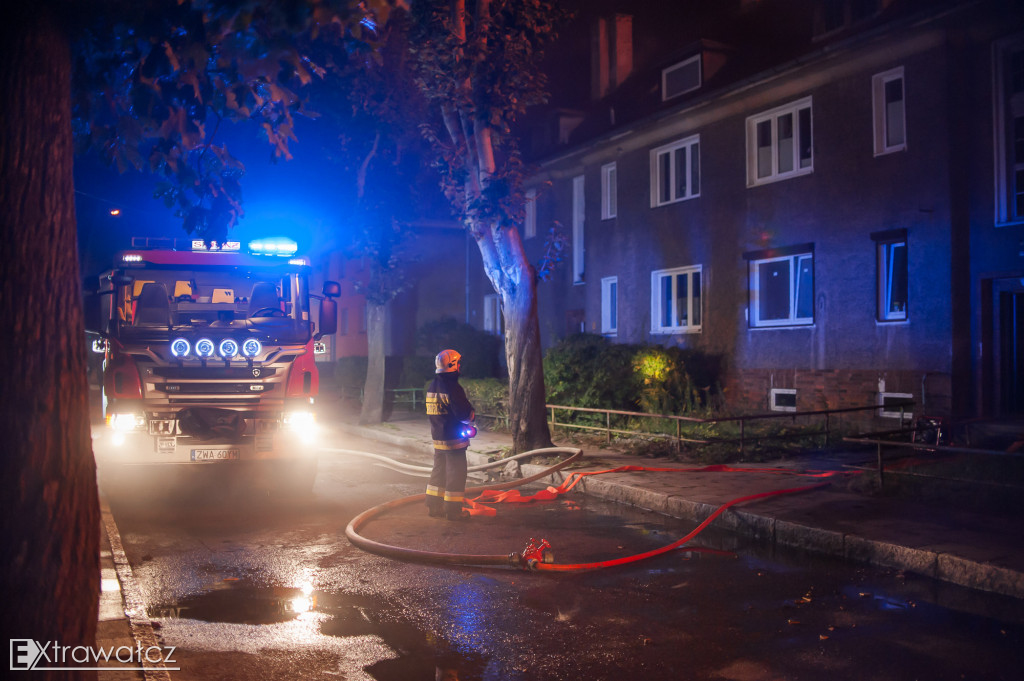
515	280
49	528
373	389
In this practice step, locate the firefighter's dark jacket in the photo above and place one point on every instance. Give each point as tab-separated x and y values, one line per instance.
448	409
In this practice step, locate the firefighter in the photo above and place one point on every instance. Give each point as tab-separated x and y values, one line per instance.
450	416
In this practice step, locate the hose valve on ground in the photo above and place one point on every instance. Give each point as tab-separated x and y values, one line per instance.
535	553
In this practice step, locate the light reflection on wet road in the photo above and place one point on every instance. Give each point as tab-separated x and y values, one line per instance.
253	586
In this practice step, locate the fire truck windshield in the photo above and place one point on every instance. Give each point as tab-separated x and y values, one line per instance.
162	301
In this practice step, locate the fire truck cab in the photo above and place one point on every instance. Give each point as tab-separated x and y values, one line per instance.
209	355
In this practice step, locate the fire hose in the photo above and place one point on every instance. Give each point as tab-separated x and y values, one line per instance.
536	555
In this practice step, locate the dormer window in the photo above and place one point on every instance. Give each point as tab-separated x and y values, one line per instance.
680	78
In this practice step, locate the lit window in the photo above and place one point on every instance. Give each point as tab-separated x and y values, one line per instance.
610	305
892	278
675	171
779	143
609	197
889	112
781	288
676	296
530	228
782	399
1008	90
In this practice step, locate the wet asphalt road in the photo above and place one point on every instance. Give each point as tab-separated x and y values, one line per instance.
250	585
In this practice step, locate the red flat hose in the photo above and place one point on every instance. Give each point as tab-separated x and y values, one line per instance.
514	559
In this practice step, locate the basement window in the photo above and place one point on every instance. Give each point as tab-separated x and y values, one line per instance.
782	399
891	404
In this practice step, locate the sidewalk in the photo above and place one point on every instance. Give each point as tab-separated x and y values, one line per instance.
973	550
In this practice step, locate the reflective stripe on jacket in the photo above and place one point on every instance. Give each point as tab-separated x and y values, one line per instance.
448	408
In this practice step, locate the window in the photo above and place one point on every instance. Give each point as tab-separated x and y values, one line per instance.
492	314
896	405
676	300
680	78
893	275
577	229
782	287
779	143
675	171
782	399
610	305
609	192
530	226
343	322
889	112
1009	130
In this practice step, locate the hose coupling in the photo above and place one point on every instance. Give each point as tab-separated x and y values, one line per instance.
536	552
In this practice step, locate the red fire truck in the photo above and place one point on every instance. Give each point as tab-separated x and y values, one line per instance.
209	356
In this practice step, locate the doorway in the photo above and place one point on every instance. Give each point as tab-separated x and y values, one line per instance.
1010	339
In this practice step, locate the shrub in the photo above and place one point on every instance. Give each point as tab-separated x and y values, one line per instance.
489	396
587	370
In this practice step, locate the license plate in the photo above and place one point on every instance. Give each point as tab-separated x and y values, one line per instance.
214	454
165	445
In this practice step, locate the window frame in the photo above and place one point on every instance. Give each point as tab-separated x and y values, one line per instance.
907	415
794	255
609	191
884	275
880	111
665	96
692	146
578	229
530	218
610	306
773	116
773	404
493	319
1006	104
656	299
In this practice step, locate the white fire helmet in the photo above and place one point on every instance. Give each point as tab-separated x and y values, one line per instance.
446	362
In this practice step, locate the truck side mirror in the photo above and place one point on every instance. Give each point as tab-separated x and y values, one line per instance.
328	323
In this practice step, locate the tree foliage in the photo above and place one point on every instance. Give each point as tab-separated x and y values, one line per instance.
478	64
156	81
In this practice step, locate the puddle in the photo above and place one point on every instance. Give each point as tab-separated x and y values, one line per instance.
240	603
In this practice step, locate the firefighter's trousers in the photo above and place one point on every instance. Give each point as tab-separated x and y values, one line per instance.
447	487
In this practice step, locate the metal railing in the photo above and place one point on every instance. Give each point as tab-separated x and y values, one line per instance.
929	427
744	438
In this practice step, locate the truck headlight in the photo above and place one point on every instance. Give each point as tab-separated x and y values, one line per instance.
126	422
299	420
228	348
302	423
180	348
251	347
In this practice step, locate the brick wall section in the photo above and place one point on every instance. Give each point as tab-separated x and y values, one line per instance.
748	391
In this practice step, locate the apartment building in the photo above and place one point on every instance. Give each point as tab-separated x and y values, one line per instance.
827	194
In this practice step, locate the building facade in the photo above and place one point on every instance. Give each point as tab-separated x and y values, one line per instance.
828	195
